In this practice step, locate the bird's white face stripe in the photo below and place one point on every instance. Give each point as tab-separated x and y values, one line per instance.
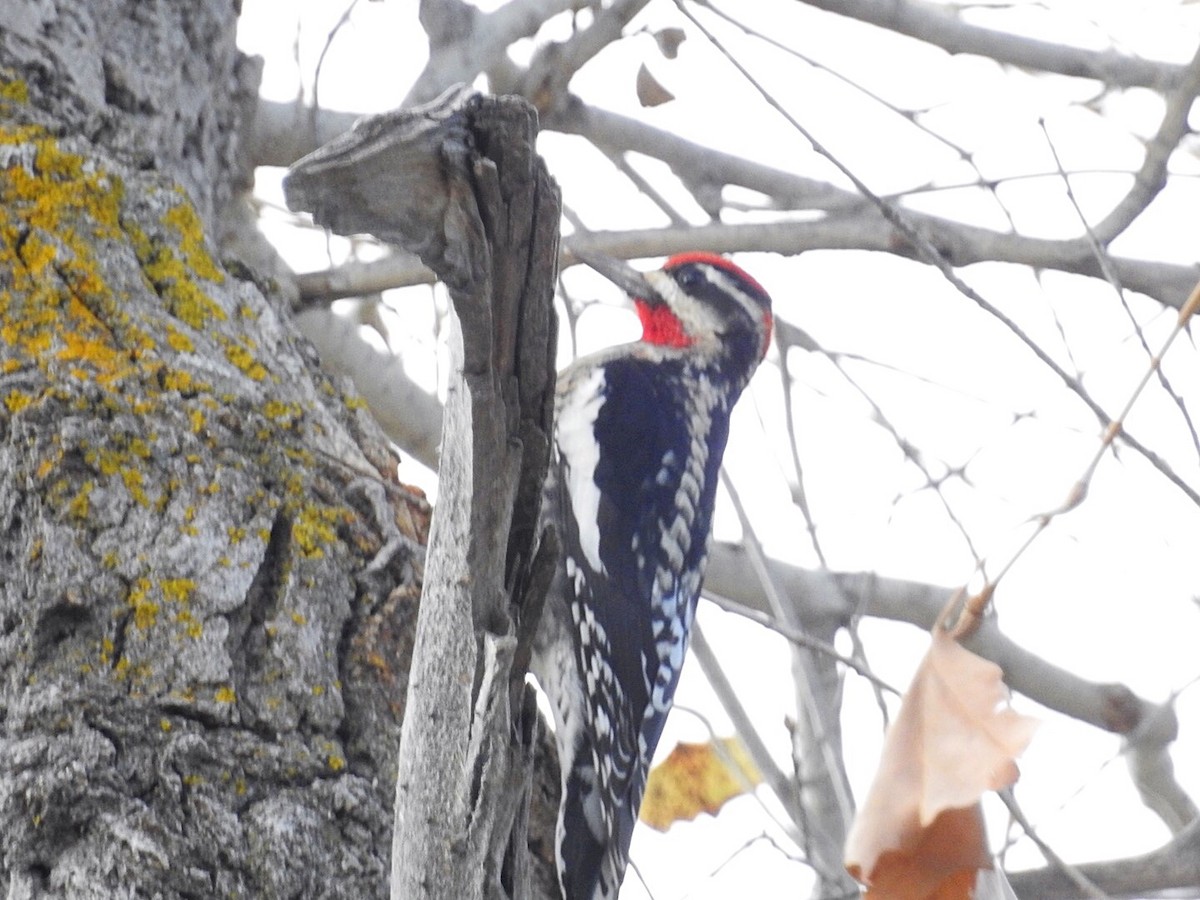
696	317
580	452
729	287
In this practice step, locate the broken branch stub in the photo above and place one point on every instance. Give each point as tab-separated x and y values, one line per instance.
458	183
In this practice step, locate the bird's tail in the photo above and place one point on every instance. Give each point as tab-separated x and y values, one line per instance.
593	850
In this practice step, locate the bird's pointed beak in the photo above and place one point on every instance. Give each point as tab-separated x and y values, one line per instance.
627	278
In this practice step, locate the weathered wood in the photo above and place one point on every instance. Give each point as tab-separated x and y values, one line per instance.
459	184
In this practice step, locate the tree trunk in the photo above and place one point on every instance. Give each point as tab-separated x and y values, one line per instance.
210	574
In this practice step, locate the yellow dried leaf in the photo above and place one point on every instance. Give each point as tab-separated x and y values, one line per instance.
695	779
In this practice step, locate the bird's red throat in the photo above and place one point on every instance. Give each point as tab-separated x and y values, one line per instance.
661	326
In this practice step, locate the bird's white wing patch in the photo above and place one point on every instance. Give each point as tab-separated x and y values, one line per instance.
580	454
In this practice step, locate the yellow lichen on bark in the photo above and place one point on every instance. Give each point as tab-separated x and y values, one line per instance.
13	90
67	236
57	311
183	219
313	529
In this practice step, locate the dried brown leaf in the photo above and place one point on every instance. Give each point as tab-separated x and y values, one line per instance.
668	40
649	91
920	831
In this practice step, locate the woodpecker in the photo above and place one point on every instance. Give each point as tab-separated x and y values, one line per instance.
639	435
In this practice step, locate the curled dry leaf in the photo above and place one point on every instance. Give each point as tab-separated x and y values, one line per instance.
920	831
649	91
694	779
668	40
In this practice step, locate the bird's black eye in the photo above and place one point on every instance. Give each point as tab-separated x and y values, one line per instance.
689	277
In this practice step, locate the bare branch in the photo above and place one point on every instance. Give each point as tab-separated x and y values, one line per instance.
935	24
961	244
695	164
1174	866
282	132
357	279
544	82
475	46
1152	177
851	225
1167	283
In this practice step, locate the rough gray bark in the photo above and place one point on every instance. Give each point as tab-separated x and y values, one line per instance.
162	88
458	183
210	575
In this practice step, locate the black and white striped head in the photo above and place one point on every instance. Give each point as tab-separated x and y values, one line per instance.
697	300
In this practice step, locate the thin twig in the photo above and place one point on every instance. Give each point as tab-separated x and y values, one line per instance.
642	878
341	23
742	849
799	495
909	116
798	637
655	196
1079	489
1078	878
1100	251
910	453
